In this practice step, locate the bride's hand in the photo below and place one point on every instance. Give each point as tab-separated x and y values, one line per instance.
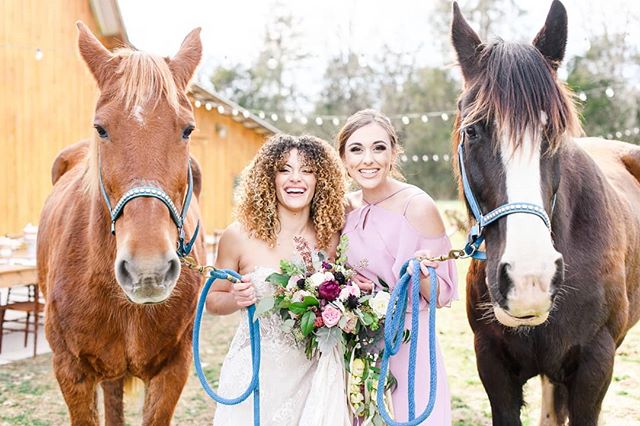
423	263
244	292
365	284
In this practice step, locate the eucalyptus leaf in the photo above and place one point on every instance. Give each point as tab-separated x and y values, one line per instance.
280	279
287	325
328	338
263	306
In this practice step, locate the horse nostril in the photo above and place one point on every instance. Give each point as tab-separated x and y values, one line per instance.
173	271
558	277
504	280
123	274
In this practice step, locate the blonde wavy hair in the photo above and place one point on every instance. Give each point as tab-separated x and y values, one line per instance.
257	207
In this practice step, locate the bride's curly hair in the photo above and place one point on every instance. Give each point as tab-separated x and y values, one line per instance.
257	207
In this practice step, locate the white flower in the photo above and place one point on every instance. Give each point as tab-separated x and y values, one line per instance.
299	295
316	279
328	276
379	303
348	291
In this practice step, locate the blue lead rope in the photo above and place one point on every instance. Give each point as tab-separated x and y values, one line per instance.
254	334
393	333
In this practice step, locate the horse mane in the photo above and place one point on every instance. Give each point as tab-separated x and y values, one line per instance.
140	79
514	85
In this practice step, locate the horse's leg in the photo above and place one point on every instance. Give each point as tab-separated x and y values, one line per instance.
588	385
554	403
113	405
164	389
78	388
503	388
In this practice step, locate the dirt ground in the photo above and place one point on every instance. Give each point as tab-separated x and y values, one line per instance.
29	394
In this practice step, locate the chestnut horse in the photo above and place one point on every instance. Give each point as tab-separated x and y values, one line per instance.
119	306
560	287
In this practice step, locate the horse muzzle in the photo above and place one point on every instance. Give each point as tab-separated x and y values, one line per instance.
149	280
527	294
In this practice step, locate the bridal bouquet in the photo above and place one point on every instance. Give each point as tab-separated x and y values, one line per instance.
326	312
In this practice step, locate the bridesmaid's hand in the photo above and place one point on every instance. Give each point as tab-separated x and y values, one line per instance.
365	284
423	263
244	292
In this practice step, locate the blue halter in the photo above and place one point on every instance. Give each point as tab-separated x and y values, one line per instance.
476	237
184	248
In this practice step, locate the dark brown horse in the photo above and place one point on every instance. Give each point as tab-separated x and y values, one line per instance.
120	306
551	301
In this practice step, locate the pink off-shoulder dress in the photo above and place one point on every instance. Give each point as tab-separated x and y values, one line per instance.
380	241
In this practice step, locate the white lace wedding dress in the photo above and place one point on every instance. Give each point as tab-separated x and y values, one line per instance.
285	372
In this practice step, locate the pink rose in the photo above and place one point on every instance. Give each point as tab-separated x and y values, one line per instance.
331	316
348	322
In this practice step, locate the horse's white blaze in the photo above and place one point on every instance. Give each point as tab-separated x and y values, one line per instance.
529	249
137	114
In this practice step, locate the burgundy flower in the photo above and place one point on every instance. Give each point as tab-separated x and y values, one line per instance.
329	290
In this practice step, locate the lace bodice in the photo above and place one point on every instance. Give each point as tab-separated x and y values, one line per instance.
285	371
270	324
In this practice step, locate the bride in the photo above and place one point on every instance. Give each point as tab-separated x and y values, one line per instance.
293	187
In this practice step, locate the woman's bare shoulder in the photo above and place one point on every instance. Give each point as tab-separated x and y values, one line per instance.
422	212
354	201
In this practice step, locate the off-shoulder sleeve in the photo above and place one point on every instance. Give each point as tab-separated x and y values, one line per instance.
410	241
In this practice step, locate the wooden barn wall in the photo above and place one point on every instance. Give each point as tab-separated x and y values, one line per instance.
44	105
223	148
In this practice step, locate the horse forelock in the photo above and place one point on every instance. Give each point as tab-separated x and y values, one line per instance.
517	91
143	79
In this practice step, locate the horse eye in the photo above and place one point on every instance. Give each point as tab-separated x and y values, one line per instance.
187	132
470	132
101	131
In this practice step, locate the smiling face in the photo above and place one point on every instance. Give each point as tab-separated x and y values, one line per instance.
369	156
295	182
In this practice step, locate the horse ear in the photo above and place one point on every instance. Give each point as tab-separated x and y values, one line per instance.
196	173
95	55
551	41
466	43
187	59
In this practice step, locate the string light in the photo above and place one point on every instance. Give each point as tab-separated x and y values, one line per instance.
208	106
274	117
220	109
39	54
319	121
197	103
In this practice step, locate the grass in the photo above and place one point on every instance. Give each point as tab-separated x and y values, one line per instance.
29	394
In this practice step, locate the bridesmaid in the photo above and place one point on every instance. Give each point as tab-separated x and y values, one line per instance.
401	221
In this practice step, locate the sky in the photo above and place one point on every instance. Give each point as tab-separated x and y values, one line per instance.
233	31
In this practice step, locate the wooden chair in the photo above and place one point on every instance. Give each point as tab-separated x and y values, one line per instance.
31	306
